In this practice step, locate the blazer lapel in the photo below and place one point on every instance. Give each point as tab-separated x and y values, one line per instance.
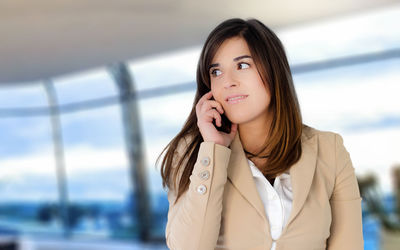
301	174
240	175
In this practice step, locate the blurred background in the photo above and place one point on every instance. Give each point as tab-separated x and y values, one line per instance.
92	91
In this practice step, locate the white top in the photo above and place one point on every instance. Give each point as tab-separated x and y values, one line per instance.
277	199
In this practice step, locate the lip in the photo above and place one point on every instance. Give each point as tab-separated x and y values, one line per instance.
236	101
231	96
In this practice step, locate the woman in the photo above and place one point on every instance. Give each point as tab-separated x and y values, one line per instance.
245	172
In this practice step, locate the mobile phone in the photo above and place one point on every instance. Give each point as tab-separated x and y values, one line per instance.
225	122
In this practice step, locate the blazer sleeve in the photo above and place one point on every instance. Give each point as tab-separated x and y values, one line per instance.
346	227
194	221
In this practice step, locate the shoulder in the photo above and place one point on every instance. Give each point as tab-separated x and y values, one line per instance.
329	142
322	136
331	152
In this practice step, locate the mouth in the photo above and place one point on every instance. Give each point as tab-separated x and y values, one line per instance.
236	99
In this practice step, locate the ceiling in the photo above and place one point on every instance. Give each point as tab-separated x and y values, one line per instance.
42	39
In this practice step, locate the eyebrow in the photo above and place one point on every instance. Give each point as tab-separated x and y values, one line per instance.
234	59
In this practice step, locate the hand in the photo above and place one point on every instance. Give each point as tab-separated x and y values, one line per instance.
205	115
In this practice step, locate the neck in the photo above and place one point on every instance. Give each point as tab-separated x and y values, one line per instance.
254	134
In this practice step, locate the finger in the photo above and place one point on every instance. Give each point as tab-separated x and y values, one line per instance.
208	104
213	113
215	104
201	101
205	97
217	117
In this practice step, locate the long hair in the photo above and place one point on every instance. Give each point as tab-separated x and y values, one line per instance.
284	141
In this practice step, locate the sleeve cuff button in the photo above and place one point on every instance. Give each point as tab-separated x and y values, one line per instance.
205	161
201	189
204	175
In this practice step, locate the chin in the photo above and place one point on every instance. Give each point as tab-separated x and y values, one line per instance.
240	117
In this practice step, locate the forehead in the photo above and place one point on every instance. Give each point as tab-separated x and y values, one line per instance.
230	49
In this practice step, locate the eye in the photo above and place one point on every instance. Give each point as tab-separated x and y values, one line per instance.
213	71
242	63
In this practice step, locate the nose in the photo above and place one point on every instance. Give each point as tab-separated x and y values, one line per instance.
230	80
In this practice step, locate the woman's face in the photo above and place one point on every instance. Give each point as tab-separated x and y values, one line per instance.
232	74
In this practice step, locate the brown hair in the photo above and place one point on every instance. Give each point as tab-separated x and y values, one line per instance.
284	140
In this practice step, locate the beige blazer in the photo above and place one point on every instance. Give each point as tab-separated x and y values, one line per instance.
222	208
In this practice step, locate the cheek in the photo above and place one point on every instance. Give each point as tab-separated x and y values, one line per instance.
261	97
216	95
216	90
260	88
